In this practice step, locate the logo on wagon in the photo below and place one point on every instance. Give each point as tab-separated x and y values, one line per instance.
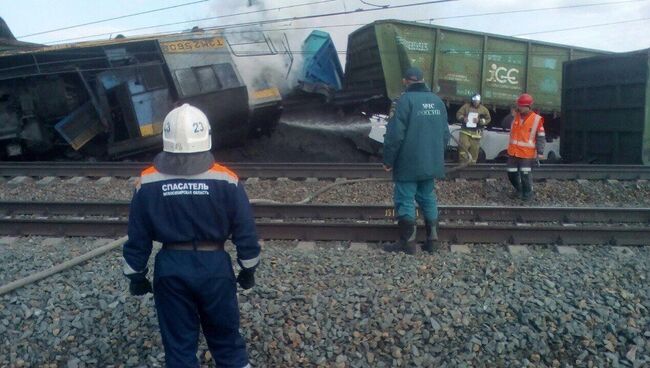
502	75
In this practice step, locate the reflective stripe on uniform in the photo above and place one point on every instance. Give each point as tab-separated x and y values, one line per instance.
216	172
128	270
522	143
525	169
511	169
250	263
530	143
533	131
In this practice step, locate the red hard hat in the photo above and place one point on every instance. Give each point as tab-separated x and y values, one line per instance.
525	100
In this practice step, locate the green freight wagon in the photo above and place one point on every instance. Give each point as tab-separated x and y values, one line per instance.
456	63
606	109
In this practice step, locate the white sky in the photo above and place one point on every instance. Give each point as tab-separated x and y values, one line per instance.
29	16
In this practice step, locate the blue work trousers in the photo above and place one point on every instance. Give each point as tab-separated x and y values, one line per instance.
423	192
195	289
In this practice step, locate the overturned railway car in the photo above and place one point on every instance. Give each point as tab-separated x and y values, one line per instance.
606	109
108	99
457	64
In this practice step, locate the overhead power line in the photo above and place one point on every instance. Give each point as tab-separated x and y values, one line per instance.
471	15
291	19
456	16
379	6
583	27
325	15
530	10
348	24
198	20
486	14
114	18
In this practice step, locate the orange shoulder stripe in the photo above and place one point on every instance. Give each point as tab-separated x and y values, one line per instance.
148	171
222	169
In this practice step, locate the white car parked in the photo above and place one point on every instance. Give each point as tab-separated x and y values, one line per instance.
494	143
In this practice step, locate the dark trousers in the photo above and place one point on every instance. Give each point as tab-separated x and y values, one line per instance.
519	174
195	289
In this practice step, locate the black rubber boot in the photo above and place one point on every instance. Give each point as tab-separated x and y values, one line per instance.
526	186
407	236
515	180
431	243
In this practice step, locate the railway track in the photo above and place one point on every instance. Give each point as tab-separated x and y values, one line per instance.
459	224
323	170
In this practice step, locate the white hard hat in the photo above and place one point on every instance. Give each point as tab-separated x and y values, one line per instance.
186	129
476	97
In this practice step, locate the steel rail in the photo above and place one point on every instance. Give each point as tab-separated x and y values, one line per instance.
368	232
322	170
515	214
458	234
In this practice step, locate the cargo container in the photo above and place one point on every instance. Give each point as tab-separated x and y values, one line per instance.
606	109
456	63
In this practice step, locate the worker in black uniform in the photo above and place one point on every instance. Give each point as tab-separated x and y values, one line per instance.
192	205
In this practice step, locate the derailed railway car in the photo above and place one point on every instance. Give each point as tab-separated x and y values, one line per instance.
457	64
8	41
108	99
321	70
606	109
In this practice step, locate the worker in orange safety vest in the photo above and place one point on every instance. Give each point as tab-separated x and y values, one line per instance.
527	139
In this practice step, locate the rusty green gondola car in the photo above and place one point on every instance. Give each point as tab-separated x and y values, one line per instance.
456	63
107	99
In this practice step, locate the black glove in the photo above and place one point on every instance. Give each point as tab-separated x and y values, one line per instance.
246	278
140	287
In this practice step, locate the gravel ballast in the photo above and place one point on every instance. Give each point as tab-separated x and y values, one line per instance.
332	307
23	256
453	192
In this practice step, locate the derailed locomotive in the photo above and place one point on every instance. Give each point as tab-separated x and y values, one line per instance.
108	99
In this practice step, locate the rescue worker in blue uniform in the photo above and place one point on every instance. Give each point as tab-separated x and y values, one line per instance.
192	205
414	147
